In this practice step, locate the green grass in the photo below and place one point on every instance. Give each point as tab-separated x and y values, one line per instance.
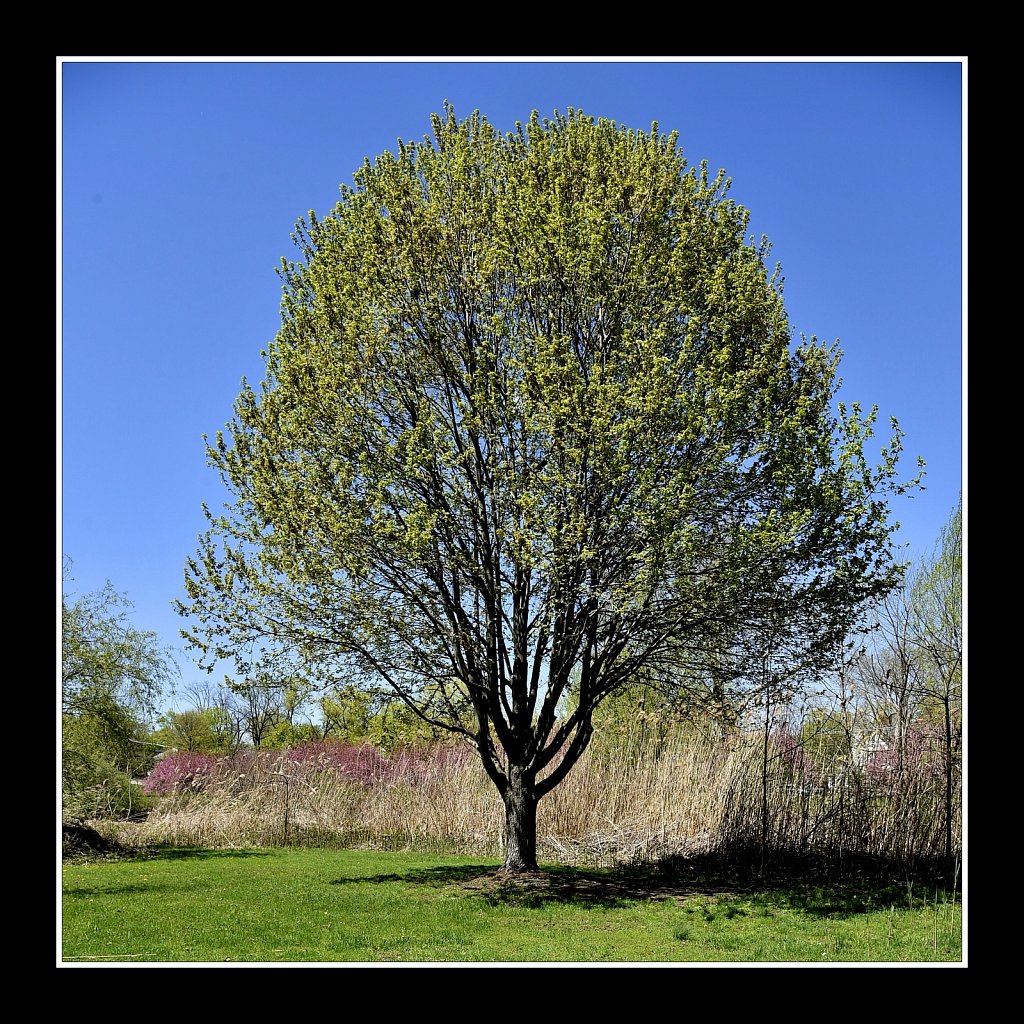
281	905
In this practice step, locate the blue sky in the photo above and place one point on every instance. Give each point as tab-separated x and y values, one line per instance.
179	184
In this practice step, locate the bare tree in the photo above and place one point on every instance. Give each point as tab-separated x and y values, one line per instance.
937	618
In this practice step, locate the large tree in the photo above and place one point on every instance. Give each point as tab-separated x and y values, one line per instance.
534	423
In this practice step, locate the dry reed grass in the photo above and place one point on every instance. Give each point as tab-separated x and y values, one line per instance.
637	795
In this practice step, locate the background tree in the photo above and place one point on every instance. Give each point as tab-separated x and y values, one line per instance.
263	707
254	706
195	730
533	420
357	715
888	671
346	713
111	676
937	620
912	667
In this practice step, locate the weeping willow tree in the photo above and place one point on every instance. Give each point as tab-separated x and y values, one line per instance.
111	677
534	420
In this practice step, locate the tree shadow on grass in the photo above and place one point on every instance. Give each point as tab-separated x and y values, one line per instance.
555	885
148	853
722	885
201	853
94	891
524	889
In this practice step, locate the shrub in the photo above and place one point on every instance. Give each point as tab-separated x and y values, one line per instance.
178	772
355	762
790	750
99	759
921	755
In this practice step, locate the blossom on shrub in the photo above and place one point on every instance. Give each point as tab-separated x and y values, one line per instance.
922	754
790	751
179	771
361	763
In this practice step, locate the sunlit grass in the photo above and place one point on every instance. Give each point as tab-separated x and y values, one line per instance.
291	905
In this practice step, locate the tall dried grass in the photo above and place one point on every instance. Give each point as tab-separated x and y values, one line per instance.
638	794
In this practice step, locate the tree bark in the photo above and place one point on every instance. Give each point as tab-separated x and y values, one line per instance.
948	716
520	822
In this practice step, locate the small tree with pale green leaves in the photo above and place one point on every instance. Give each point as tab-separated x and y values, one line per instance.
535	421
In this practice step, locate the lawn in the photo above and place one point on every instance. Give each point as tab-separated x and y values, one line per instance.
332	906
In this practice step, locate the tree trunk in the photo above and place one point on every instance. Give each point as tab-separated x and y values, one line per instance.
948	715
520	822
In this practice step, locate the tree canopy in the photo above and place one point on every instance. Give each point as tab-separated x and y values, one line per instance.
535	422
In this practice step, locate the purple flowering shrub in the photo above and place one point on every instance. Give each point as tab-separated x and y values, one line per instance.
356	762
791	752
360	763
922	755
178	772
364	763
